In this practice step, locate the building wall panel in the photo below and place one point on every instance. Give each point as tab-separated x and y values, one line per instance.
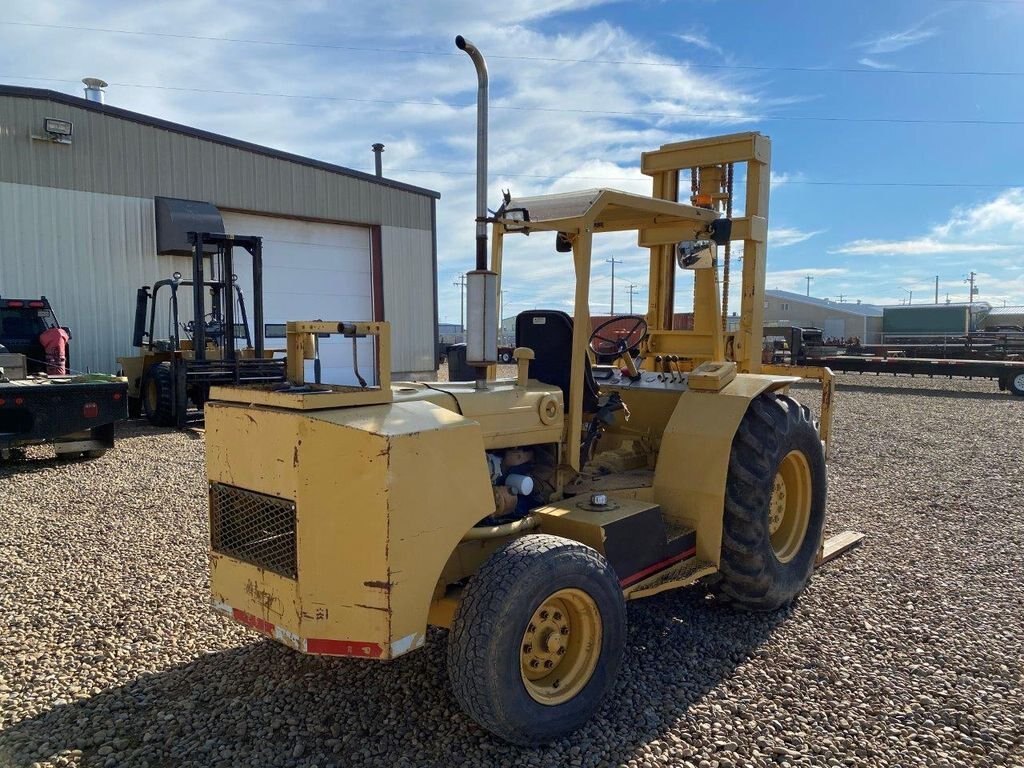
409	297
87	253
114	155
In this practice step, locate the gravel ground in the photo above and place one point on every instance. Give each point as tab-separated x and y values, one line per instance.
906	652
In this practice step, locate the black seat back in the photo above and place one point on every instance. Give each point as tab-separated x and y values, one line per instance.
548	332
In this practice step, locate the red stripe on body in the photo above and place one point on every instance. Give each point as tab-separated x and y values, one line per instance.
260	625
344	648
651	569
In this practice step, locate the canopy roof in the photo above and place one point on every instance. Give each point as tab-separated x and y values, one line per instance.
609	210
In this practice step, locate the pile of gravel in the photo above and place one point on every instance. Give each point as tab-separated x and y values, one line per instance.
908	651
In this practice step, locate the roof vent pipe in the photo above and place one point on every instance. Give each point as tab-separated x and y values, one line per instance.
481	148
377	149
94	90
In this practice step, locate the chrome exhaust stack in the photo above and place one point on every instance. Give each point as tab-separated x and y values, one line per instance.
481	284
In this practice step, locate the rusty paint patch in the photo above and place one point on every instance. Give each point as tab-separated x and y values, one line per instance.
385	585
295	457
372	607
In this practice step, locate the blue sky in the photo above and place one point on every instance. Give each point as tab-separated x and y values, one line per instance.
581	87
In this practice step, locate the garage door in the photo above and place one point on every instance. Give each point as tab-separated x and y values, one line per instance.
312	271
835	328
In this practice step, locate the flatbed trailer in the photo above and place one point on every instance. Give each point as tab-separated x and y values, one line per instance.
1008	373
76	416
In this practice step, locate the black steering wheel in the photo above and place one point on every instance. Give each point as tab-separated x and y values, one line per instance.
617	335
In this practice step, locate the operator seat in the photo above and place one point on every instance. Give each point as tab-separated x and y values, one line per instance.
548	332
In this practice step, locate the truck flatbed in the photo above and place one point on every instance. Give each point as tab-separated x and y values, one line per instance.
1009	373
74	414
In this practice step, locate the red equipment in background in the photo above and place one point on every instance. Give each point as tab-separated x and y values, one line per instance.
55	342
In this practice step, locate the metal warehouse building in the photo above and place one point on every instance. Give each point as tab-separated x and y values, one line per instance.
78	225
835	319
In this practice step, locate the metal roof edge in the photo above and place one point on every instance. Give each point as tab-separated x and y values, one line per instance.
43	94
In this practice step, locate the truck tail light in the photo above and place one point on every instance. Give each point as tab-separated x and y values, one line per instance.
90	410
36	304
15	304
117	396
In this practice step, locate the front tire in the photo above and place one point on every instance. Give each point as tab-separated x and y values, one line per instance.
158	394
774	516
537	639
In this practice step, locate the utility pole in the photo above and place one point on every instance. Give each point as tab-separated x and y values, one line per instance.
809	279
613	262
911	292
461	285
841	297
970	280
632	290
936	289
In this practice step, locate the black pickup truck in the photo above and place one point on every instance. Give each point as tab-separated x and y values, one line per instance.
75	414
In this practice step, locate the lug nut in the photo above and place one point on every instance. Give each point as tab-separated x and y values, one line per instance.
548	664
564	630
527	648
557	616
533	663
544	615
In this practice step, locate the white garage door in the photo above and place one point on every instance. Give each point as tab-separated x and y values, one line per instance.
835	328
312	271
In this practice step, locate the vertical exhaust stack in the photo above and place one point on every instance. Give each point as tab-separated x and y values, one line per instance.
94	90
377	148
481	283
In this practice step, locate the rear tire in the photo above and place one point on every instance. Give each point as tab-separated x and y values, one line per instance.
1015	384
537	639
774	506
158	394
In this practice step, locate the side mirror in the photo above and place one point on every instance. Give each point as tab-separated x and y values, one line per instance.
67	331
562	243
696	254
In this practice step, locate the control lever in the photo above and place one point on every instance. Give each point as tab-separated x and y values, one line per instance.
658	368
675	359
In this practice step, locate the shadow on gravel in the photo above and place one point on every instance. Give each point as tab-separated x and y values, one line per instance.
262	704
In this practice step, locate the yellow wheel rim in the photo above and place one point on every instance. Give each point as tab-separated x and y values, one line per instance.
561	646
790	507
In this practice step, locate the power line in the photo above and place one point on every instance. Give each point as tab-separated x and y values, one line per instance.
551	59
807	182
724	116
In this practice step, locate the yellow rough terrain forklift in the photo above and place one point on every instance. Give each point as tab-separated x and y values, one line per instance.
167	374
522	513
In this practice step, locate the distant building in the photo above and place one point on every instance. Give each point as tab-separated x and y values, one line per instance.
450	333
837	320
932	319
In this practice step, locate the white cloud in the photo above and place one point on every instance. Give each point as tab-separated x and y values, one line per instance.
989	227
873	63
778	178
915	247
890	42
698	40
780	237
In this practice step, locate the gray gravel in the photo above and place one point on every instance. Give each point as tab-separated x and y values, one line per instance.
909	651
